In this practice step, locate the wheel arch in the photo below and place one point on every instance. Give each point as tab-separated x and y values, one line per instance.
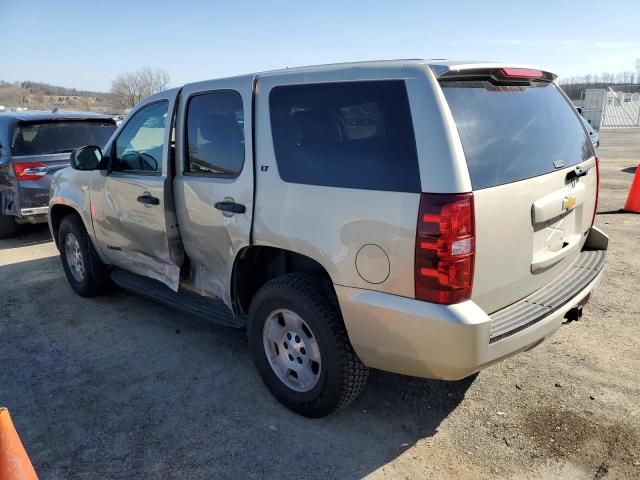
57	213
255	265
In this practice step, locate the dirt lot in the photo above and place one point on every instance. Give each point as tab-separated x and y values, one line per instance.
118	387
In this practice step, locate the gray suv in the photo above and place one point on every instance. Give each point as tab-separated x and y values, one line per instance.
34	145
420	217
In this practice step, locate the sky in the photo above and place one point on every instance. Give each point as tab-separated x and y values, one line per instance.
86	44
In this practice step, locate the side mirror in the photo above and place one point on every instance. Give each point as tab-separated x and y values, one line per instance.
86	158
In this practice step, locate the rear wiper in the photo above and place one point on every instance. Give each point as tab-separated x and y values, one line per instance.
64	150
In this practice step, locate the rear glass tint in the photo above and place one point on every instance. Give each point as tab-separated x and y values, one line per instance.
215	134
350	134
59	136
511	133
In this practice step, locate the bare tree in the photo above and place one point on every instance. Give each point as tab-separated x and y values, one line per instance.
130	88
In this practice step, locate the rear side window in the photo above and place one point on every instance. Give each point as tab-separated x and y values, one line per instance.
59	136
215	137
511	133
350	134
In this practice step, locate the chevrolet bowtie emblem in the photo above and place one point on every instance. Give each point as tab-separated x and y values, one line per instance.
569	202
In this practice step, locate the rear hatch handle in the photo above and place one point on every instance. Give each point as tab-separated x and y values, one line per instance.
578	172
581	170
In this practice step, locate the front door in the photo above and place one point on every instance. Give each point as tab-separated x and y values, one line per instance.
214	179
132	205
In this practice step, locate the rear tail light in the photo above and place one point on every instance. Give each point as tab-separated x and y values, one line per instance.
30	170
445	248
595	207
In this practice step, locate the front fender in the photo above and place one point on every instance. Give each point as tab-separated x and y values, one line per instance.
71	190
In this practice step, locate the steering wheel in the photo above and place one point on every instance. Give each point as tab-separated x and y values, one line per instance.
147	162
144	161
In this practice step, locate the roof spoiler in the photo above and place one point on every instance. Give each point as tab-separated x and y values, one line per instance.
498	72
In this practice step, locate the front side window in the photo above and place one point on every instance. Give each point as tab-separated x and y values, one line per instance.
59	136
349	134
140	145
215	136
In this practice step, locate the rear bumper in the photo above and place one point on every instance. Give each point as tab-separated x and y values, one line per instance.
25	212
33	215
450	342
27	203
32	203
28	200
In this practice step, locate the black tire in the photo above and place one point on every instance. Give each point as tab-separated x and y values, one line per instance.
8	226
96	278
342	376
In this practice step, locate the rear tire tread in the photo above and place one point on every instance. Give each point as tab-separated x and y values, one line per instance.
318	292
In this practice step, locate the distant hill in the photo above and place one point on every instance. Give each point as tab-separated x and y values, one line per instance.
36	96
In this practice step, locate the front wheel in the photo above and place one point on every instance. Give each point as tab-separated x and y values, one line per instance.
300	345
84	270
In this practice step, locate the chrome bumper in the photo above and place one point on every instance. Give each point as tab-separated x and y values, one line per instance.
26	212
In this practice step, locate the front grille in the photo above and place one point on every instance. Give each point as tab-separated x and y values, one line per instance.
549	298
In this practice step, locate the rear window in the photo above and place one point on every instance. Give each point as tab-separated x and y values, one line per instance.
511	133
350	134
59	136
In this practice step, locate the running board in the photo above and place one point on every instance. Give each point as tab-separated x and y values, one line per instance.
184	301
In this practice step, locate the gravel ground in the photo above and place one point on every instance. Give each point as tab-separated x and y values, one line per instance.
118	387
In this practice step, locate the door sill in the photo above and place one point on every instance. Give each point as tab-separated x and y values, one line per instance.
188	302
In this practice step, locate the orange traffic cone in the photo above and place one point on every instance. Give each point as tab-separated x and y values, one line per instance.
633	199
14	462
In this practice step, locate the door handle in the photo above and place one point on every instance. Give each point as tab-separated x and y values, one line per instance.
231	207
148	199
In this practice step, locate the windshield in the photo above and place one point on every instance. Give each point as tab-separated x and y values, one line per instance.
59	136
511	133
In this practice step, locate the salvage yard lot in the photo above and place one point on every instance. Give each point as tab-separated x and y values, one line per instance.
119	387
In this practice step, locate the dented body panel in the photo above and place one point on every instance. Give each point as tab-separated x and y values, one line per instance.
212	238
135	236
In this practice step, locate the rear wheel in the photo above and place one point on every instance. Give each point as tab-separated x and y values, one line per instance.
300	345
84	270
8	226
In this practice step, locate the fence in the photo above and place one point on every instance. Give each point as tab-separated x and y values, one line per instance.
607	108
